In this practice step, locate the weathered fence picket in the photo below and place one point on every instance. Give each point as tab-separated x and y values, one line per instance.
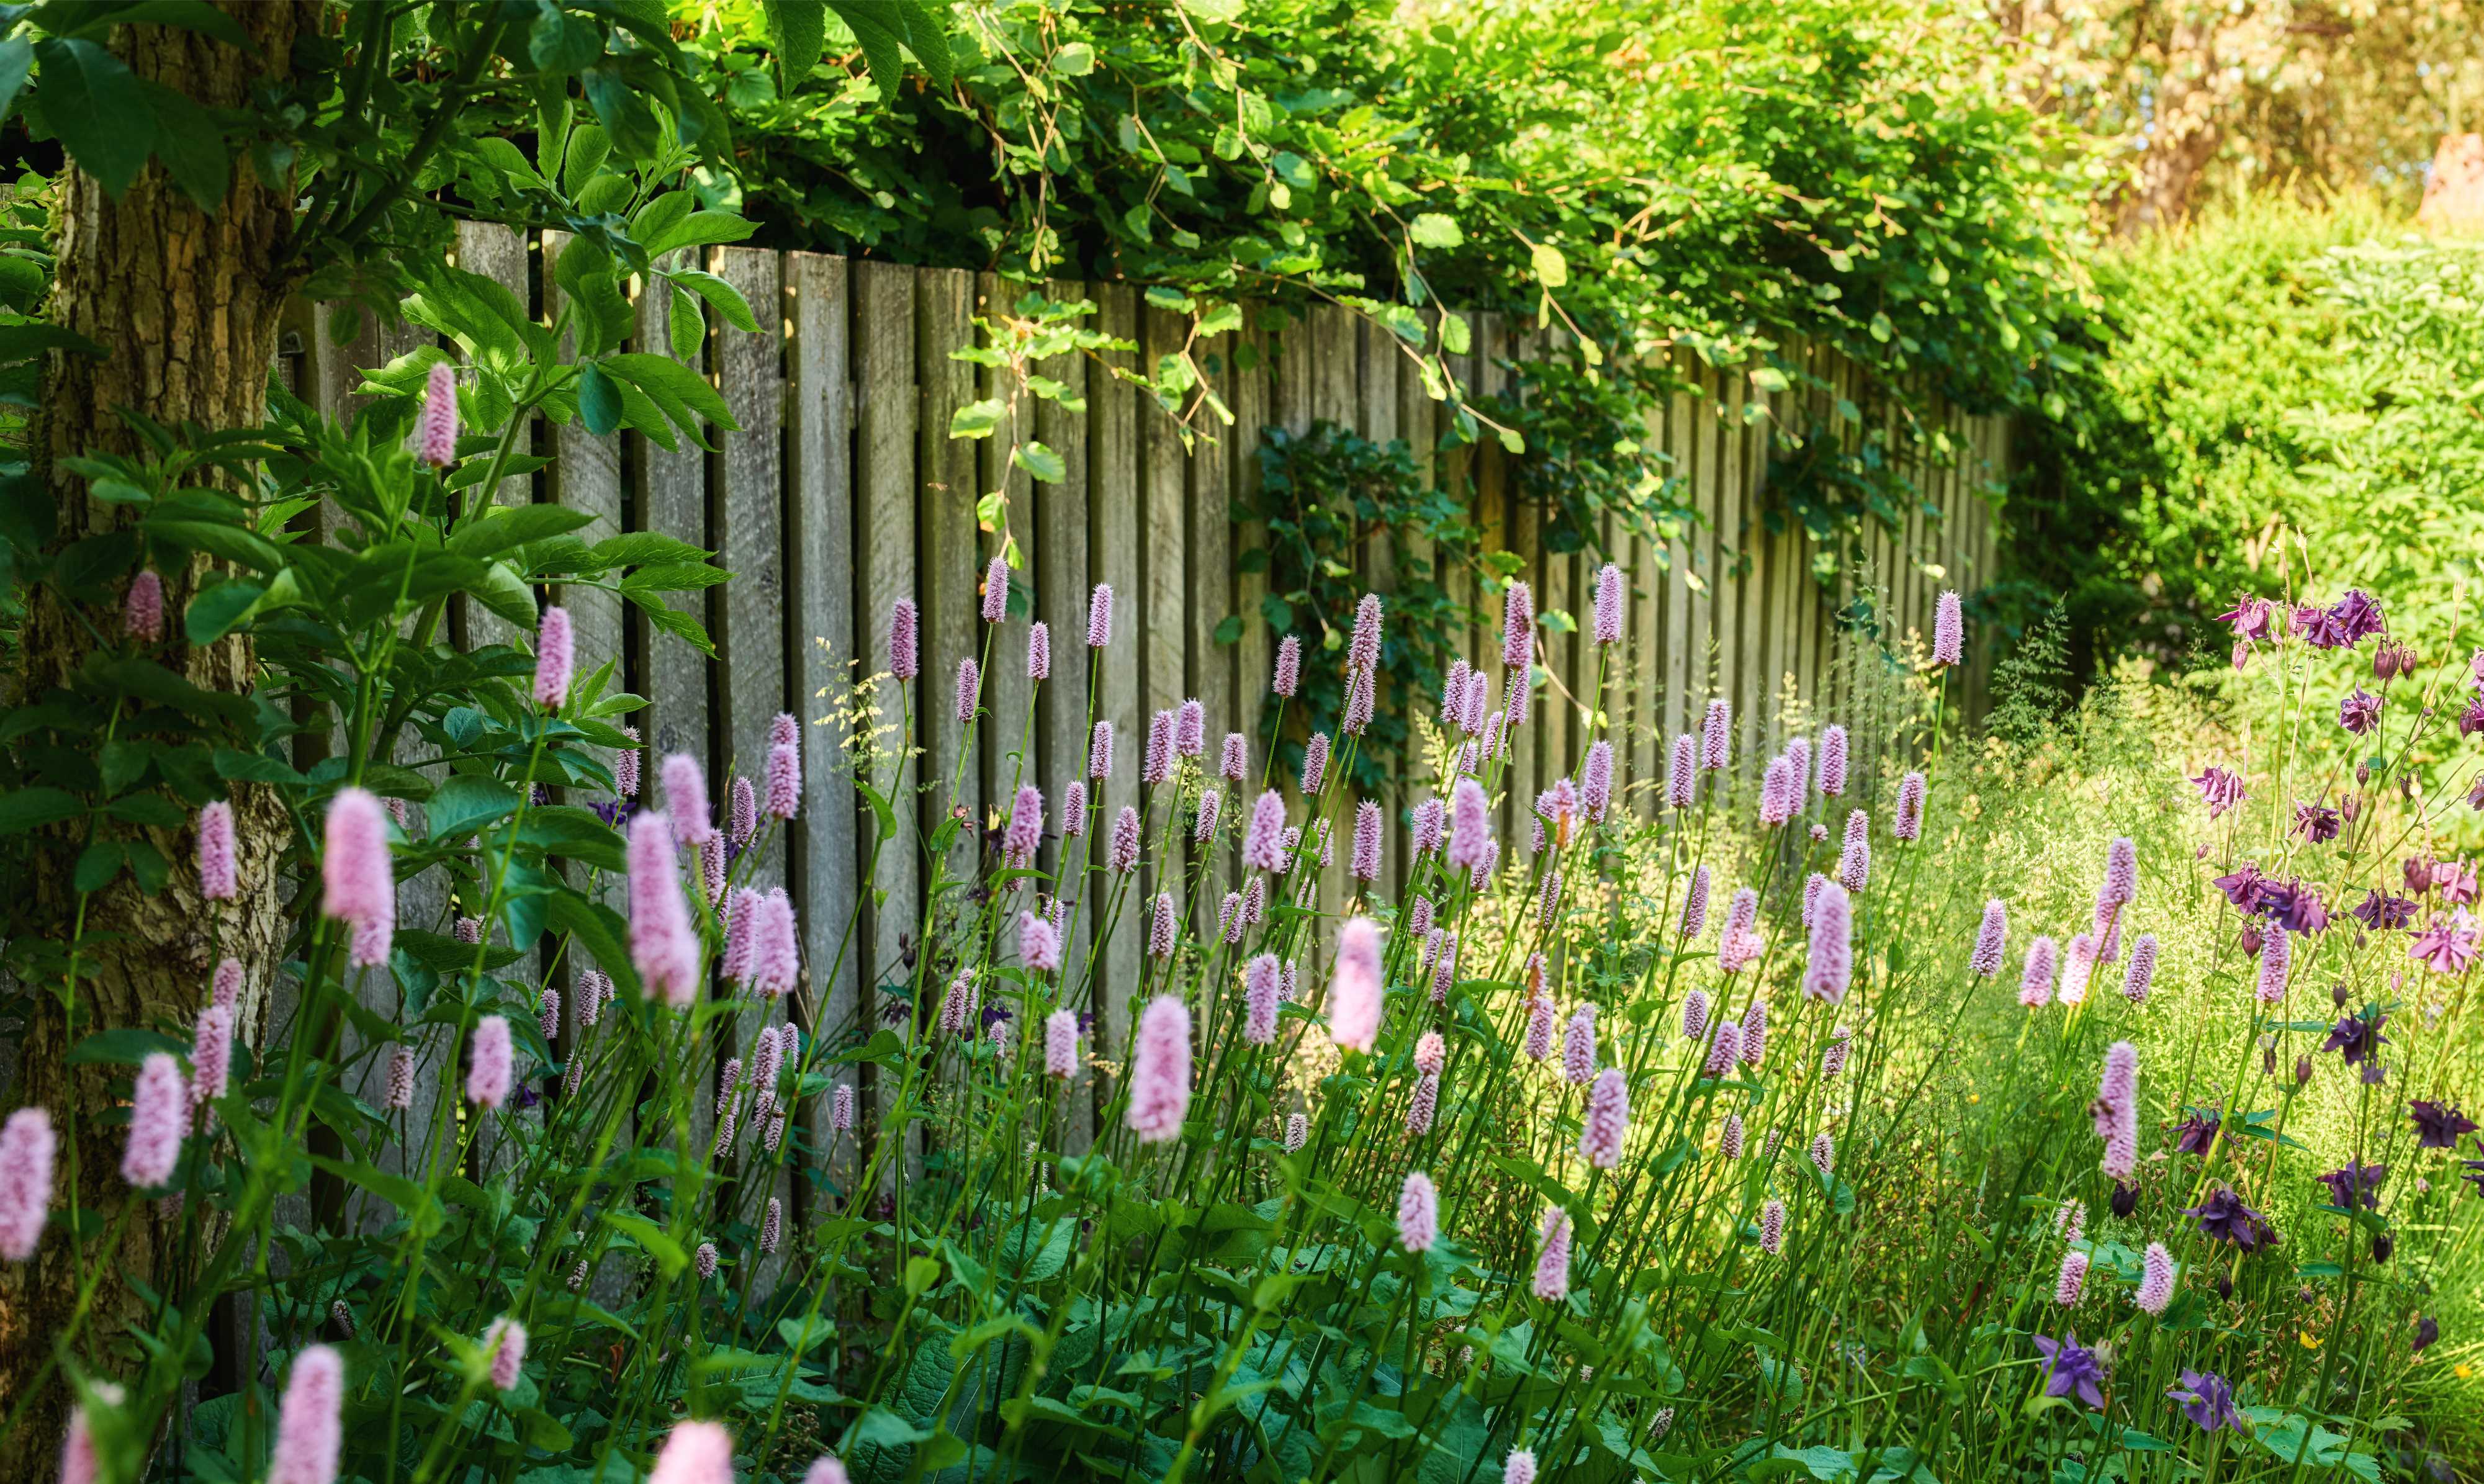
844	491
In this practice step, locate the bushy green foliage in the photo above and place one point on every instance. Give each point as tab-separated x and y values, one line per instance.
1719	175
2280	398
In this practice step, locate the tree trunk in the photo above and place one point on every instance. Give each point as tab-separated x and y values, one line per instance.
186	306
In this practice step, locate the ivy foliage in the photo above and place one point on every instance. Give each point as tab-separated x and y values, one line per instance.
1721	177
1326	497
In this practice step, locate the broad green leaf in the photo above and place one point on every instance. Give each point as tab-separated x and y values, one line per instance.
99	110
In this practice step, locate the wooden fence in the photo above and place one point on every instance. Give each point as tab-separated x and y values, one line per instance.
844	491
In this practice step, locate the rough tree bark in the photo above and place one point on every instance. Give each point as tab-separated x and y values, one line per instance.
187	306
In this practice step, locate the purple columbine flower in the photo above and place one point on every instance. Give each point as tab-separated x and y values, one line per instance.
2220	790
2356	1038
2355	1184
2070	1368
2438	1126
2316	821
2224	1218
2197	1133
2447	944
2384	911
2207	1400
2360	712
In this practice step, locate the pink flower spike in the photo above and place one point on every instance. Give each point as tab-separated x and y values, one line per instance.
1517	627
1190	728
435	425
1831	962
970	687
159	1110
1061	1044
1716	735
555	658
1355	998
1099	616
142	611
1073	809
1362	650
211	1056
1160	1071
1123	856
218	873
1233	761
694	1453
1682	774
776	946
1314	762
1908	822
1470	824
224	989
826	1469
1099	751
1596	780
505	1344
1553	1257
743	811
400	1078
2142	970
1289	665
1772	1220
1263	844
360	888
685	799
1024	835
1155	762
1519	1467
1039	943
2276	959
663	946
2155	1280
784	780
1949	632
2035	980
1608	1119
1365	858
28	1148
310	1422
1833	762
1579	1048
488	1075
1039	651
904	640
1992	939
1612	592
2073	1278
1418	1213
996	590
625	766
1164	931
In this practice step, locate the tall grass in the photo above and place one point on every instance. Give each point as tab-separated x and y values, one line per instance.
1598	1198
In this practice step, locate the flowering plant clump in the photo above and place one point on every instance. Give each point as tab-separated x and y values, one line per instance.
1310	1192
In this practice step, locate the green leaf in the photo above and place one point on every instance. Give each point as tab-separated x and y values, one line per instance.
213	613
654	1239
721	296
675	388
1075	60
123	1045
799	31
34	808
98	864
561	43
1041	462
17	60
1552	269
599	401
702	228
1436	229
976	420
99	110
465	803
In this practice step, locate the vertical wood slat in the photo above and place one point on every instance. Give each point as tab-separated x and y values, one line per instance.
822	573
1210	560
1059	565
950	559
1007	728
1378	417
1114	516
1165	600
748	501
885	414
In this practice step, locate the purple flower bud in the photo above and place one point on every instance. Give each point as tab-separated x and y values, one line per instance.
1362	650
1123	856
1517	627
1682	776
2035	981
1190	729
1099	616
1991	940
1073	809
1832	953
1289	665
903	629
1234	762
1606	1123
1156	764
1263	844
1949	632
1470	825
1610	594
1694	905
1039	651
2142	970
996	589
1716	735
1908	824
435	425
1210	804
1165	928
970	684
1365	859
1596	780
1579	1048
1315	762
